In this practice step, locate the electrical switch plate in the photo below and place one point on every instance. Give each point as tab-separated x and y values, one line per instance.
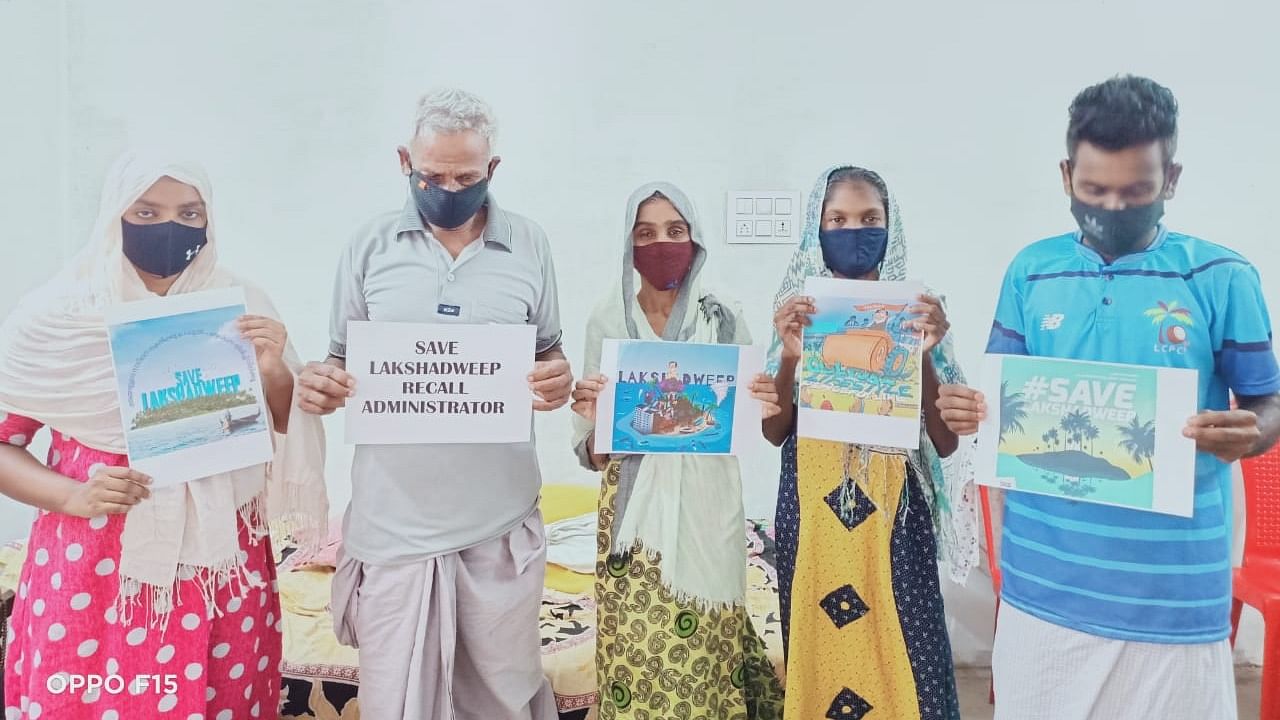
762	216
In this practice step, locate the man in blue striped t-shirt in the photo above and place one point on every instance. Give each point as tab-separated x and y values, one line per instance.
1110	612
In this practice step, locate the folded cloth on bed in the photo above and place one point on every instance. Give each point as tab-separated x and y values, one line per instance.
324	556
571	543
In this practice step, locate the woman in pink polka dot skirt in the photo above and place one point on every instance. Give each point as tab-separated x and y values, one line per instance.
137	602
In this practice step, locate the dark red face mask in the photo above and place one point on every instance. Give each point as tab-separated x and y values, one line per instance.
664	264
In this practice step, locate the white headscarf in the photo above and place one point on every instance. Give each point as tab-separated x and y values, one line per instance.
675	507
55	367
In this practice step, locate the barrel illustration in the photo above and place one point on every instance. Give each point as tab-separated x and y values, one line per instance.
860	349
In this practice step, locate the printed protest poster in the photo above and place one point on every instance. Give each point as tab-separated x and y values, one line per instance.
677	398
189	390
1097	432
432	383
860	368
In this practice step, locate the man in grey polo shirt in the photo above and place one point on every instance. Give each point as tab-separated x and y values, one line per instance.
441	578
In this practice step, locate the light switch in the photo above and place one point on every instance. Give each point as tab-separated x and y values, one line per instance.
766	216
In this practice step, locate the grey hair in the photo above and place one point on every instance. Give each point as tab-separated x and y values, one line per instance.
450	110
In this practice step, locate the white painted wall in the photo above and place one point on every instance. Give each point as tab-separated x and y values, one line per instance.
297	106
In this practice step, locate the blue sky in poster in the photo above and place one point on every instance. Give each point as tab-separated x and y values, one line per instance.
652	357
208	341
834	315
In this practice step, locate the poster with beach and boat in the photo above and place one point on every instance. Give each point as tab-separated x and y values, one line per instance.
1093	432
677	398
188	386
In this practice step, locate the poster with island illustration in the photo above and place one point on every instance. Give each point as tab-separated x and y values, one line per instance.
677	398
1093	432
860	366
188	386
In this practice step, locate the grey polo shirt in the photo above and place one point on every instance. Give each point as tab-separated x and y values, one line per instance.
410	502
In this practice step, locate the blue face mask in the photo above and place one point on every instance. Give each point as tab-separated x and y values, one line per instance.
853	252
447	209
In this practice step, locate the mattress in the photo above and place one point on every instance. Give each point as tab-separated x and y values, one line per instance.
320	677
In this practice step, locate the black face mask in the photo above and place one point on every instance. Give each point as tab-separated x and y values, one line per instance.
447	209
1116	233
162	249
853	252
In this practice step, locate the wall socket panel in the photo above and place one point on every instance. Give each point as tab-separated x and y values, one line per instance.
763	217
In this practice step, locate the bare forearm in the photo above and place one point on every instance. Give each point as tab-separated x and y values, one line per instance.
943	439
597	461
1267	408
278	385
555	352
778	427
27	480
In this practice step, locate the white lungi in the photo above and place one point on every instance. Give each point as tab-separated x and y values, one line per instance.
1044	671
453	637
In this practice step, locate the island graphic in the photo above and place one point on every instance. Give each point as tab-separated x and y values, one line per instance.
1079	433
186	380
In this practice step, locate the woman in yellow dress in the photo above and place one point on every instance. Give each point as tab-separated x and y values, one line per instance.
860	529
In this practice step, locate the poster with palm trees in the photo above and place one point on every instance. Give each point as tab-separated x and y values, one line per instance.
1093	432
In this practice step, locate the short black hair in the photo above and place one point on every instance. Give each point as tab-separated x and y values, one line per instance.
1123	112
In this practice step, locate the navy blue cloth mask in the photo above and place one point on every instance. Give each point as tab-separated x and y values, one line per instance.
853	252
447	209
162	249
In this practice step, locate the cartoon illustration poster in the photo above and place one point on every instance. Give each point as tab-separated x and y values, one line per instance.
860	369
188	386
680	398
1096	432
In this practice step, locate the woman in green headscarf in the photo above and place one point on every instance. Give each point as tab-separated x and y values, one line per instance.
674	639
859	528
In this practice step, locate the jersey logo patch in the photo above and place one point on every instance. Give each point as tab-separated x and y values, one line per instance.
1171	321
1052	321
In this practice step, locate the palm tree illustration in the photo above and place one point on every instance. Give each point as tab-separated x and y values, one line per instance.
1139	440
1066	425
1090	433
1013	411
1073	424
1051	437
1165	313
